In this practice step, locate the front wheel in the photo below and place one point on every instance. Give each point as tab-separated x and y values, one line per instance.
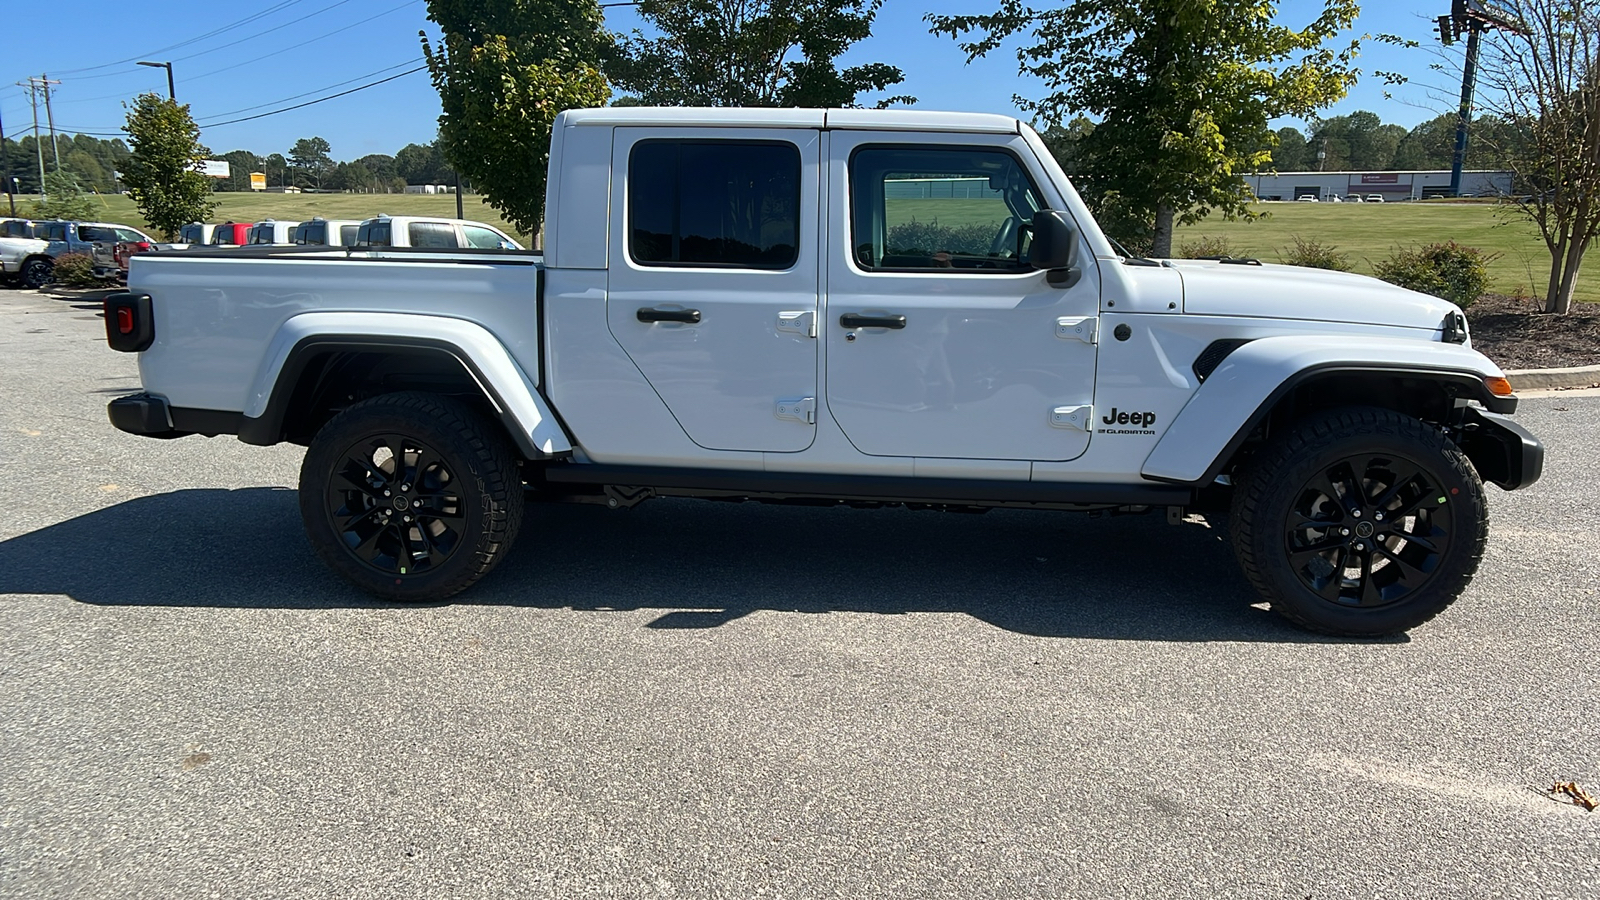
410	496
1360	522
36	273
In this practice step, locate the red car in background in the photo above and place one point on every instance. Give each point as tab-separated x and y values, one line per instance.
231	234
228	234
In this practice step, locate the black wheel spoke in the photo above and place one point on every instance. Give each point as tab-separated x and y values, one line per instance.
1370	595
1404	474
351	520
1301	554
1409	574
1334	584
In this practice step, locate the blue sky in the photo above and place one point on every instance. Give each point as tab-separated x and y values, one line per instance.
300	50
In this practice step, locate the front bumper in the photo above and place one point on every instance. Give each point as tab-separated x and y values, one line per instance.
1503	452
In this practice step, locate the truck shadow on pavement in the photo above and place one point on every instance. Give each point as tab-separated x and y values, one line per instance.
701	564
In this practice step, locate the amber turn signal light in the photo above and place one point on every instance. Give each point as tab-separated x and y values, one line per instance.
1498	386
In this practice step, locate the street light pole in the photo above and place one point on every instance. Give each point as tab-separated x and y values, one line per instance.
172	93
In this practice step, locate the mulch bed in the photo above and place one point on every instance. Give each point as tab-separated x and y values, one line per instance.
1516	335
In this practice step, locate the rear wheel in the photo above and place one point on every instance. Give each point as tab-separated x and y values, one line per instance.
410	496
1360	522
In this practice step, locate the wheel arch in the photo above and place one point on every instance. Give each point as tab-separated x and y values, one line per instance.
316	368
1257	391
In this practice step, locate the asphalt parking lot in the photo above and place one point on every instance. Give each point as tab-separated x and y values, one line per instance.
732	701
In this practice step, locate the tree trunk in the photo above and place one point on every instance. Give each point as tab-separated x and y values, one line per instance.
1161	242
1562	302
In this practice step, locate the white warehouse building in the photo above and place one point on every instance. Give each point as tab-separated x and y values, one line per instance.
1390	186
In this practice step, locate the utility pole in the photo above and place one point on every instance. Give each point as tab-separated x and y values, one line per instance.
55	149
1473	18
33	98
5	171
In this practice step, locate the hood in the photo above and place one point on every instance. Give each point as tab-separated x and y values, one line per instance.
1294	292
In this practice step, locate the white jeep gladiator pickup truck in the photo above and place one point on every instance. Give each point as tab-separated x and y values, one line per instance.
854	306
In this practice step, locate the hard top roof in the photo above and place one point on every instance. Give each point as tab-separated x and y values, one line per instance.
865	119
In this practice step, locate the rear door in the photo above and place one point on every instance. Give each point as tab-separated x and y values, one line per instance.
713	278
100	242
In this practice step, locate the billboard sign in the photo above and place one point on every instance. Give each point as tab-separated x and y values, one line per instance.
258	181
214	168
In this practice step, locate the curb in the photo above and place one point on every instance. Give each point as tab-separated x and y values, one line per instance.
1546	379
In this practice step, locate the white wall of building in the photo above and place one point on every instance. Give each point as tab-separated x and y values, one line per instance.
1390	185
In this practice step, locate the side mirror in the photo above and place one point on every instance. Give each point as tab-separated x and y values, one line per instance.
1055	241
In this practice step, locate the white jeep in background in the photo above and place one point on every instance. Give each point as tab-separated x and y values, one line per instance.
429	233
846	306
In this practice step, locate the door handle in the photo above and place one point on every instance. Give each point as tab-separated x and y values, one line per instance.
688	316
861	320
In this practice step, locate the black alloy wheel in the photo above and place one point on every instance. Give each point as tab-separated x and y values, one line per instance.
410	496
1367	531
36	273
395	505
1359	522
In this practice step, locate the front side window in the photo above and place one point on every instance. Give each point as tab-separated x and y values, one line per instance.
714	203
431	234
967	208
482	238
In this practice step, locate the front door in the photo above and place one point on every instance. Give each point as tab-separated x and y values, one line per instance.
712	285
941	340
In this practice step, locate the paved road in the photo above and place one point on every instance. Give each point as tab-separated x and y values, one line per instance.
731	701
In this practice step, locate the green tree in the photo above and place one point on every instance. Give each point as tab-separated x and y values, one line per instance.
310	158
381	170
88	170
1182	91
750	53
1065	141
504	70
162	171
1291	152
1546	84
64	199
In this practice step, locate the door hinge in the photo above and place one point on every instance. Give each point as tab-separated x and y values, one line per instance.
1077	328
1079	417
798	322
798	409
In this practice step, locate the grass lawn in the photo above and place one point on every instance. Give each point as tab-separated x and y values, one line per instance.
252	207
1368	232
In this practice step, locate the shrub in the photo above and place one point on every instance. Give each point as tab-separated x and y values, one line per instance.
915	238
1210	246
1316	255
1450	271
75	270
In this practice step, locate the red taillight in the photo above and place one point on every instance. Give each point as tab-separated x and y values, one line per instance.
125	320
144	246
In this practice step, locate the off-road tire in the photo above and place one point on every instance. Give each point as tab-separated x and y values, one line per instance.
37	272
481	508
1281	482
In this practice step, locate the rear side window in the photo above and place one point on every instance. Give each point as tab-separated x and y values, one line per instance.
432	234
375	234
714	203
95	233
55	231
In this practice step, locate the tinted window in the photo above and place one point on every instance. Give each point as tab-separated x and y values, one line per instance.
190	234
128	234
55	231
482	238
431	234
720	203
956	208
95	233
226	235
313	233
347	234
375	234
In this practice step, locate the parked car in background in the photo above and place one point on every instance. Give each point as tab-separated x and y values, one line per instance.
1374	198
230	234
194	234
1306	198
127	248
1352	198
98	240
327	232
271	231
18	253
443	234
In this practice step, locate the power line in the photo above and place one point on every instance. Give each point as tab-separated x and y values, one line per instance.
330	34
213	33
258	34
315	102
320	89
